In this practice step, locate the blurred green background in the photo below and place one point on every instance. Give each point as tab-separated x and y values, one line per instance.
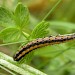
52	60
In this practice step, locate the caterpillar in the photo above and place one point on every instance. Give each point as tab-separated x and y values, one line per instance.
41	42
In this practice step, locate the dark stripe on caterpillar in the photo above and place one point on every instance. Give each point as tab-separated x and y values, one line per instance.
41	42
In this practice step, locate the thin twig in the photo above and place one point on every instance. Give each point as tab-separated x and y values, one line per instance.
52	10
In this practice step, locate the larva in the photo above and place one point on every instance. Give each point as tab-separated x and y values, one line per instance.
41	42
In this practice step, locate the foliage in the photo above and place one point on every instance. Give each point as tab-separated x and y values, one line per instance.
16	27
14	24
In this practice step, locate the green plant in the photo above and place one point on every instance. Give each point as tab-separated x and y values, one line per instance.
15	25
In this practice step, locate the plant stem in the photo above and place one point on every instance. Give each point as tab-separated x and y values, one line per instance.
21	69
12	43
7	70
13	67
25	34
52	10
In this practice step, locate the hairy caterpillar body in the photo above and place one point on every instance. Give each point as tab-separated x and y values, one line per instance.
41	42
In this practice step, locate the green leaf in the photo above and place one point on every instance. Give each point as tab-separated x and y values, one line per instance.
10	34
6	18
62	27
21	16
70	54
40	30
57	63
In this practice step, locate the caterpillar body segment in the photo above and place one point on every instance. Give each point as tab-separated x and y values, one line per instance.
41	42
